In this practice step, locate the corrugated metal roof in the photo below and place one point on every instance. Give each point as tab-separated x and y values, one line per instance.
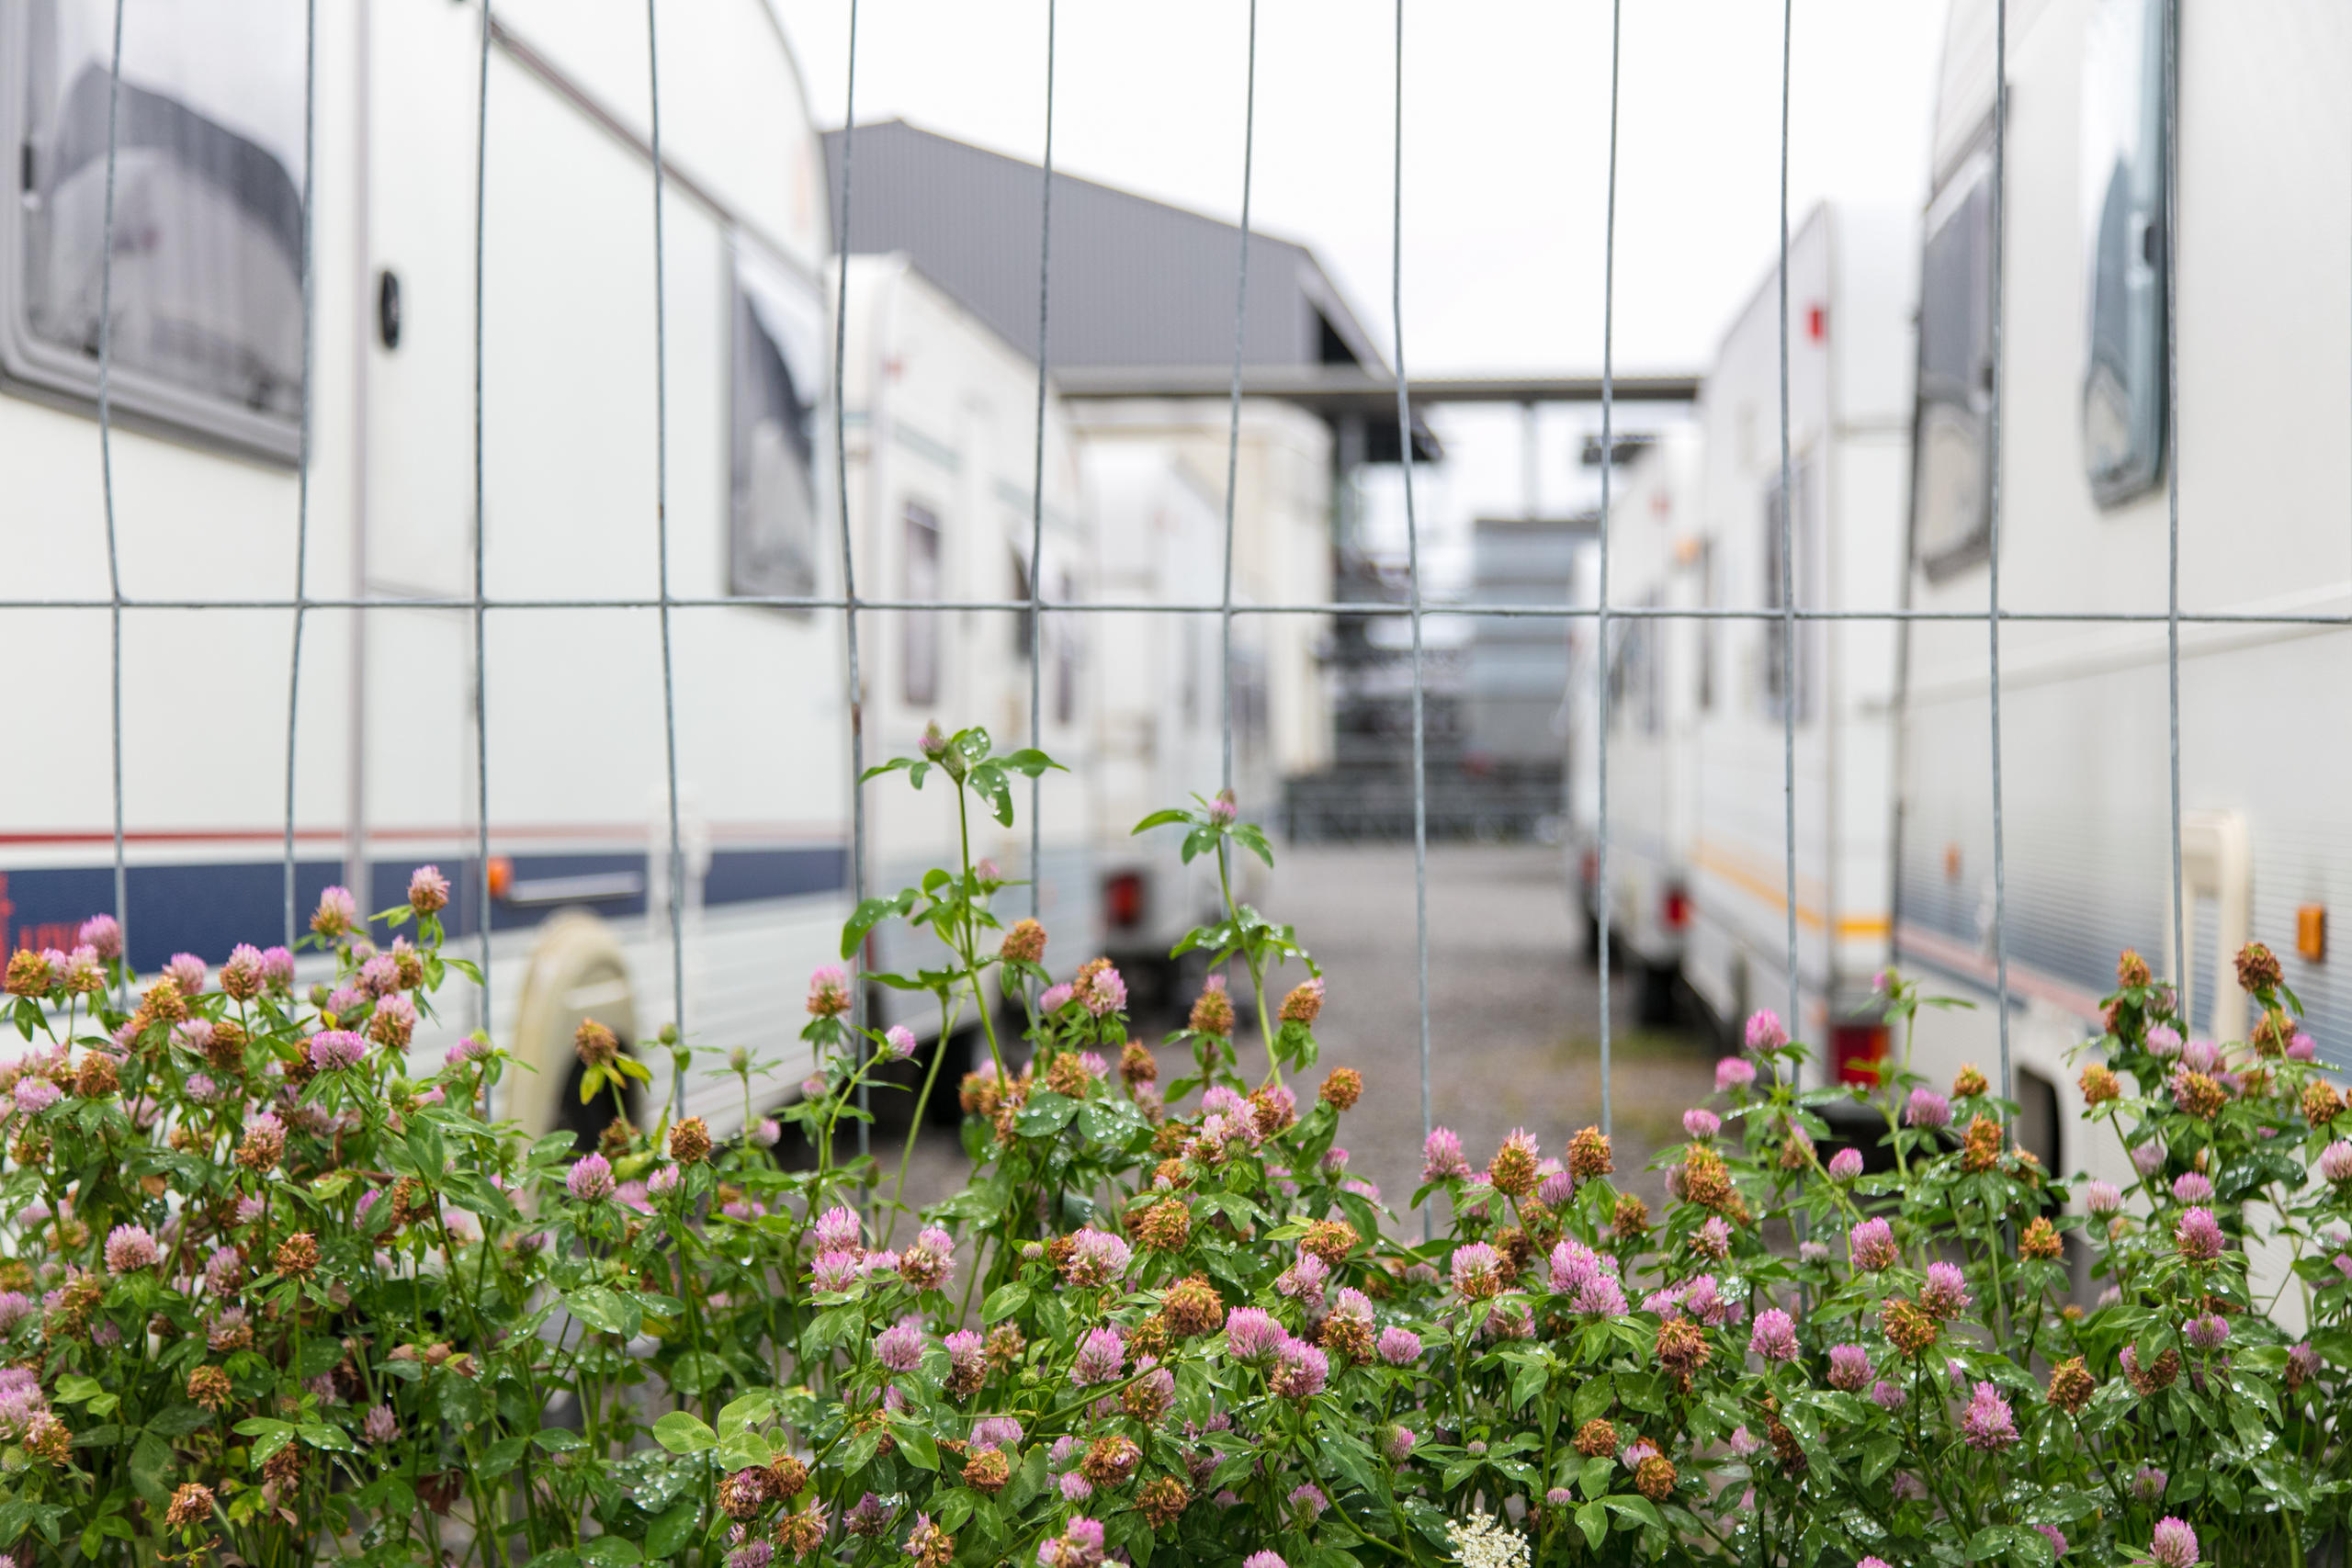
1135	282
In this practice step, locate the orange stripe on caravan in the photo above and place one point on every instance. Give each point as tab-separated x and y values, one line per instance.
1771	892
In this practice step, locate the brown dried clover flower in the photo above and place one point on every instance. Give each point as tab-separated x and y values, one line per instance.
1968	1081
1212	1012
191	1505
1194	1308
1682	1349
2321	1104
1342	1087
2199	1095
1304	1002
2130	969
1110	1461
1588	1155
802	1534
690	1141
97	1079
2258	969
297	1257
1165	1227
1330	1240
788	1479
1138	1065
1597	1439
1161	1500
1067	1075
743	1494
1005	1345
2040	1240
2072	1385
1910	1329
596	1045
1632	1221
987	1471
1982	1149
1024	944
2099	1084
208	1386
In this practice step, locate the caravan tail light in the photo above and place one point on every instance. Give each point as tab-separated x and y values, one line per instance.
1675	910
1857	1050
1123	900
501	877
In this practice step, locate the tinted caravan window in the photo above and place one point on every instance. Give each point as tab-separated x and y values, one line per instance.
2124	231
1950	452
778	374
206	292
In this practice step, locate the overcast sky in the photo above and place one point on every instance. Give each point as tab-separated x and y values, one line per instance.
1506	132
1505	161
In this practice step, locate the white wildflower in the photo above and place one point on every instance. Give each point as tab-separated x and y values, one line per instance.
1481	1542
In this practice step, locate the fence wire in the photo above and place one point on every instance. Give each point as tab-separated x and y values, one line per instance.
1037	605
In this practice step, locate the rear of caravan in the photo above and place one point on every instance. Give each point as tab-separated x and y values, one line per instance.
2089	438
1652	707
1803	703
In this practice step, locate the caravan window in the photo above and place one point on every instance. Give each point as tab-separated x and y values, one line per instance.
2124	227
207	290
1951	450
777	374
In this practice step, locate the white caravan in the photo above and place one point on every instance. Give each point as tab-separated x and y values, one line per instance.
941	416
1160	533
1848	331
2087	437
1653	712
206	393
1697	759
1155	464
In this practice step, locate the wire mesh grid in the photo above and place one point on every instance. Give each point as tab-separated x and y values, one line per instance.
850	603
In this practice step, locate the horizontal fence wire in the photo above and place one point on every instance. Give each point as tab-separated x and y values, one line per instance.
2318	619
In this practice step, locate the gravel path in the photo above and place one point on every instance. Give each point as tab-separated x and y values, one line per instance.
1514	1036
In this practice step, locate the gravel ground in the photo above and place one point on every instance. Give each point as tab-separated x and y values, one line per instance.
1514	1031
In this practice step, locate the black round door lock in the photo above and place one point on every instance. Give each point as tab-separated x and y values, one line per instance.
388	307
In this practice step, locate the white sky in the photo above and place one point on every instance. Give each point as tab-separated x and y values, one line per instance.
1506	157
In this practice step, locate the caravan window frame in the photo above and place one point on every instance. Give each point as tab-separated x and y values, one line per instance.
2126	232
35	365
784	310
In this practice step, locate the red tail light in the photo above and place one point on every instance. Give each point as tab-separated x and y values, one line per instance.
1676	910
1123	900
1590	868
1857	1050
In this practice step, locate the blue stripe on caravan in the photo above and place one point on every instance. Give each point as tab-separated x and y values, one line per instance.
206	909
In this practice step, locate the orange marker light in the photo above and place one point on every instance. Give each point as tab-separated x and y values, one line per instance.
2310	933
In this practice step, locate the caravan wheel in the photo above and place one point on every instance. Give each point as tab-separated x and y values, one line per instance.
577	973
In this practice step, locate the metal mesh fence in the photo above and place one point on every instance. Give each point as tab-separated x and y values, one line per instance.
850	603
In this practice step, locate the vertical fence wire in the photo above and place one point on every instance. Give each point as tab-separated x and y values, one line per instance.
1993	529
1233	421
106	479
2171	459
481	532
1788	554
1037	496
1413	586
303	472
662	534
856	705
1608	462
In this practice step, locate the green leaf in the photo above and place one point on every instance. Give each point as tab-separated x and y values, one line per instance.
872	913
954	1508
318	1434
180	1420
1593	1519
1031	761
605	1309
1878	1454
1593	1481
73	1389
151	1466
1159	819
670	1532
1990	1541
741	1413
988	783
916	1444
682	1433
1045	1114
1005	1301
